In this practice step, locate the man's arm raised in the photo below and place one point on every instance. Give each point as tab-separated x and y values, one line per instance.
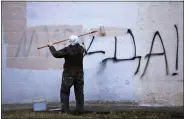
57	54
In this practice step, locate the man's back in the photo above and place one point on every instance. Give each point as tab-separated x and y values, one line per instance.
73	65
73	55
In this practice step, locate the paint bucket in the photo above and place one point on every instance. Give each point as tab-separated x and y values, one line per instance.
39	105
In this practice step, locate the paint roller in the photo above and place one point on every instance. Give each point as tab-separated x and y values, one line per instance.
101	31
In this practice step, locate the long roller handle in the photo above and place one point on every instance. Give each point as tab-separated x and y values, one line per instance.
67	39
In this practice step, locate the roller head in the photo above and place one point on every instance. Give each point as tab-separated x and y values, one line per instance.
102	31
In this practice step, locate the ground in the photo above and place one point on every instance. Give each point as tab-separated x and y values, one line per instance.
125	114
94	110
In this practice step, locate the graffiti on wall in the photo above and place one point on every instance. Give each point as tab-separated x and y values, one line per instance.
177	47
148	56
22	52
30	39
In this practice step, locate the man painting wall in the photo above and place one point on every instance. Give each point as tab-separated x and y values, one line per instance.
73	73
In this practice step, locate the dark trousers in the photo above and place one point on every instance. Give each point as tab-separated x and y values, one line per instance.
66	85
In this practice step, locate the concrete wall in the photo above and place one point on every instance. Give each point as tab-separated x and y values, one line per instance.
135	73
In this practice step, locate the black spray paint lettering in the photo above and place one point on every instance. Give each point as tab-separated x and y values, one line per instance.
150	54
115	59
112	58
86	51
135	53
177	47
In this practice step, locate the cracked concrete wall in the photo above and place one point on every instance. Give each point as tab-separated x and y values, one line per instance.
104	80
